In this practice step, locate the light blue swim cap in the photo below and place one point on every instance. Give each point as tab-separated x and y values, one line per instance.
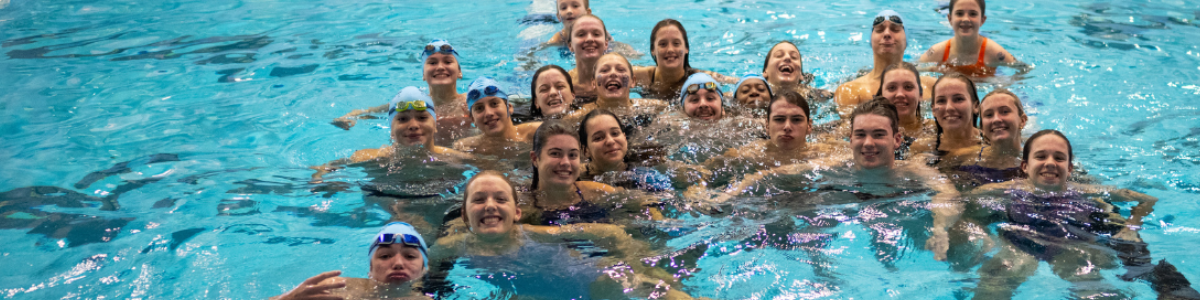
435	46
888	15
395	233
699	78
770	92
484	87
410	93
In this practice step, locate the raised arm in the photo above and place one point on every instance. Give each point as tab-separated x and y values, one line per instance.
348	120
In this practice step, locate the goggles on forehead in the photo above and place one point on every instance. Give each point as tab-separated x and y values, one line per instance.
445	48
490	90
392	238
416	105
894	19
710	86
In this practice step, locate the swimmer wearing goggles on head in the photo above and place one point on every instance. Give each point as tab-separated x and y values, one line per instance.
968	52
492	115
701	98
888	41
398	256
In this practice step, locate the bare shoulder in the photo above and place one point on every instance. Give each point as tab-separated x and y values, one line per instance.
595	187
527	129
934	53
466	144
451	152
997	53
557	38
369	154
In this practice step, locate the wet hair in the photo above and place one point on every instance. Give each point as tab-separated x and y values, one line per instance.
982	6
904	66
628	65
970	92
654	38
794	98
1029	146
533	108
879	106
583	130
585	4
803	76
571	29
467	191
544	132
997	92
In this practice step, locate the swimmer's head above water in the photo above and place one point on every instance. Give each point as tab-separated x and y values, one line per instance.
955	104
702	98
753	91
784	66
569	10
440	63
555	155
614	76
603	137
490	204
1002	117
553	92
412	118
588	37
1047	160
966	16
788	124
887	34
398	254
488	106
874	134
900	84
669	45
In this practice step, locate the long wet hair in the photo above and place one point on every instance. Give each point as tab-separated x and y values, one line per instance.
982	6
571	29
805	78
583	131
654	37
536	111
1029	147
544	132
467	191
1001	91
970	92
908	67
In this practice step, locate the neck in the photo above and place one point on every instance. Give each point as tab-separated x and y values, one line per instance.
911	124
499	243
598	167
609	103
388	290
958	138
508	134
555	194
783	153
666	75
881	62
585	69
446	100
784	86
967	44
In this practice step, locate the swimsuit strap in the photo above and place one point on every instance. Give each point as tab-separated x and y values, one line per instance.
946	55
981	153
579	192
982	51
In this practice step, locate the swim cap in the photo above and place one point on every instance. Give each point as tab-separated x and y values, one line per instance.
437	45
700	78
407	94
398	230
888	15
484	87
770	92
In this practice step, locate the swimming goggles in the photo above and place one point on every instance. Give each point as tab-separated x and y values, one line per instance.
880	19
445	48
490	90
393	238
417	105
711	86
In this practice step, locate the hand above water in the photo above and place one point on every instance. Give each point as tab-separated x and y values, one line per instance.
316	288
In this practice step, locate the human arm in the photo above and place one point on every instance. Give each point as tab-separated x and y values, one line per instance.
946	208
720	78
348	120
846	99
316	288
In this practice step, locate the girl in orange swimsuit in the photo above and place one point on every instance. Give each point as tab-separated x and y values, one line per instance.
966	16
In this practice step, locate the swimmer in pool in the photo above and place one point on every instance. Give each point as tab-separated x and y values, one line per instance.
441	72
612	80
607	148
558	197
553	93
968	52
567	12
701	98
494	237
412	115
669	48
955	113
784	70
999	159
900	85
888	41
1051	219
589	41
398	256
752	93
788	127
492	114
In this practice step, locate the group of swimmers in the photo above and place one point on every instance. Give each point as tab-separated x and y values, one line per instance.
583	149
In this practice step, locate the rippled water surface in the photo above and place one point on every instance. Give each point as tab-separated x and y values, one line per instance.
160	149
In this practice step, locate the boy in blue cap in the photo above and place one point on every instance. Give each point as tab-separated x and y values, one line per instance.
488	108
398	255
701	98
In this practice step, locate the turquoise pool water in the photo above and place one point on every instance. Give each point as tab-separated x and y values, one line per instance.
219	107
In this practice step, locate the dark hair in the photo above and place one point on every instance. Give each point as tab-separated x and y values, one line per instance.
596	113
544	132
1029	146
911	68
982	7
533	108
803	76
654	36
878	106
571	29
467	191
794	98
1001	91
970	92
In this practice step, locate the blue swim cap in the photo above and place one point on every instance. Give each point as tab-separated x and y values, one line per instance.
410	93
437	45
400	233
770	92
699	78
484	87
888	15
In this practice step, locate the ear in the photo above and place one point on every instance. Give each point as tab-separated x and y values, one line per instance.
509	109
589	10
982	19
899	140
1024	120
533	157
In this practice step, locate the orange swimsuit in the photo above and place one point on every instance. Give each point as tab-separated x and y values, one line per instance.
978	69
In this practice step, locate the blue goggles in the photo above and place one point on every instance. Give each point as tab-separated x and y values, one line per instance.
393	238
893	18
710	86
445	48
490	90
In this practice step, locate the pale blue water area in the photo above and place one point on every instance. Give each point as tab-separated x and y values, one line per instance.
219	108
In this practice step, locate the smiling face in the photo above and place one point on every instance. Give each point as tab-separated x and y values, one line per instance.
783	65
873	141
888	39
441	69
704	105
553	92
613	77
588	39
606	142
491	115
669	48
569	10
413	127
396	263
753	93
491	208
952	106
966	16
1049	163
788	125
558	162
901	88
1002	119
